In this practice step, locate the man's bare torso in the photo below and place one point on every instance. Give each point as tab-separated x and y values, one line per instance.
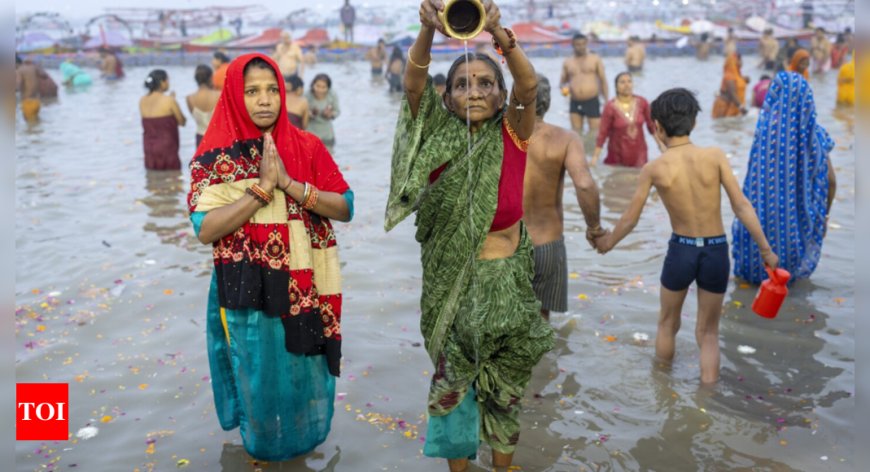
544	183
635	56
582	72
29	81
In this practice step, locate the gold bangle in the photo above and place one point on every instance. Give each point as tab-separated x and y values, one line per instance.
311	202
411	61
305	194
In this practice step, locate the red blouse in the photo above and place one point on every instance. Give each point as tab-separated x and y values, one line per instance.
510	183
626	144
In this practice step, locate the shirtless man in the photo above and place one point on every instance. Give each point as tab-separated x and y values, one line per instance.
689	179
768	49
552	151
730	45
584	80
110	65
27	83
377	56
820	49
289	57
635	54
702	47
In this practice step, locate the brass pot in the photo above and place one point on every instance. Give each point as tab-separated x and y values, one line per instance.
463	19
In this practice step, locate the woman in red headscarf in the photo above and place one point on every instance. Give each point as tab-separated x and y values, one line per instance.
732	92
263	193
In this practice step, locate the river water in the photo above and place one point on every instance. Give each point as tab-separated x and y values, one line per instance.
111	291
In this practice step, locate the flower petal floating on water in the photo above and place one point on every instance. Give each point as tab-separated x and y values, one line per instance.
182	463
640	337
745	349
87	432
610	339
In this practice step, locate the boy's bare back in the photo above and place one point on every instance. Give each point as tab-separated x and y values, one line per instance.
688	179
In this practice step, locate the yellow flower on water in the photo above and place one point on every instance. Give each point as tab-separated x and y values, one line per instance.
106	419
582	296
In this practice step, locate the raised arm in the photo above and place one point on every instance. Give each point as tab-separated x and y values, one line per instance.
420	54
744	212
521	109
631	216
584	185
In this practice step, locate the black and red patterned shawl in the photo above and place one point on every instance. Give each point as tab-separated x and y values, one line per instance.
284	260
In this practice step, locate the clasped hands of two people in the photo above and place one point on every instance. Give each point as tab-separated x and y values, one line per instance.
600	239
429	15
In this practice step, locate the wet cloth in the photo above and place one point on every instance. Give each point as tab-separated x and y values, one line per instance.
503	335
551	276
626	144
160	141
47	86
295	120
318	125
701	260
202	119
74	75
846	83
220	76
497	336
30	108
722	107
759	92
786	182
276	283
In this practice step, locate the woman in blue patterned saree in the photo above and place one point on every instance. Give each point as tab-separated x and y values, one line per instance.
790	182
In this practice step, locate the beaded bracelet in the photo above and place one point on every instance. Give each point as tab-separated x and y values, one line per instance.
511	45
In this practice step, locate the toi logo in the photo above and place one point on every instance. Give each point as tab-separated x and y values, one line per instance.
42	412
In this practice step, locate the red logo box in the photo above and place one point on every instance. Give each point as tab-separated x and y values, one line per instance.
42	411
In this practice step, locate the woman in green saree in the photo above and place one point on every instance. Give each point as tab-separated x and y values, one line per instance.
458	162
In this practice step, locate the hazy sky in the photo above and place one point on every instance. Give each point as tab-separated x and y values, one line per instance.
74	9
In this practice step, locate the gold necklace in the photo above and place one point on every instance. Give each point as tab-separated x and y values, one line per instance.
625	107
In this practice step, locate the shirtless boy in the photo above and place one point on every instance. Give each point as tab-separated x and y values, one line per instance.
688	179
584	79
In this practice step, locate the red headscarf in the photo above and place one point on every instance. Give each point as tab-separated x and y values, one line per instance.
796	58
284	260
303	154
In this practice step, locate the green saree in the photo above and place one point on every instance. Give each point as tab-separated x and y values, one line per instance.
480	320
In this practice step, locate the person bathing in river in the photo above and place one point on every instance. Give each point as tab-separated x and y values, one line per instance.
480	319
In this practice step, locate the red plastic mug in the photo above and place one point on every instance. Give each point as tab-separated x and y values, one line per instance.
772	293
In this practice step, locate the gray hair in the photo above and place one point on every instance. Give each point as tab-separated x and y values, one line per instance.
542	105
